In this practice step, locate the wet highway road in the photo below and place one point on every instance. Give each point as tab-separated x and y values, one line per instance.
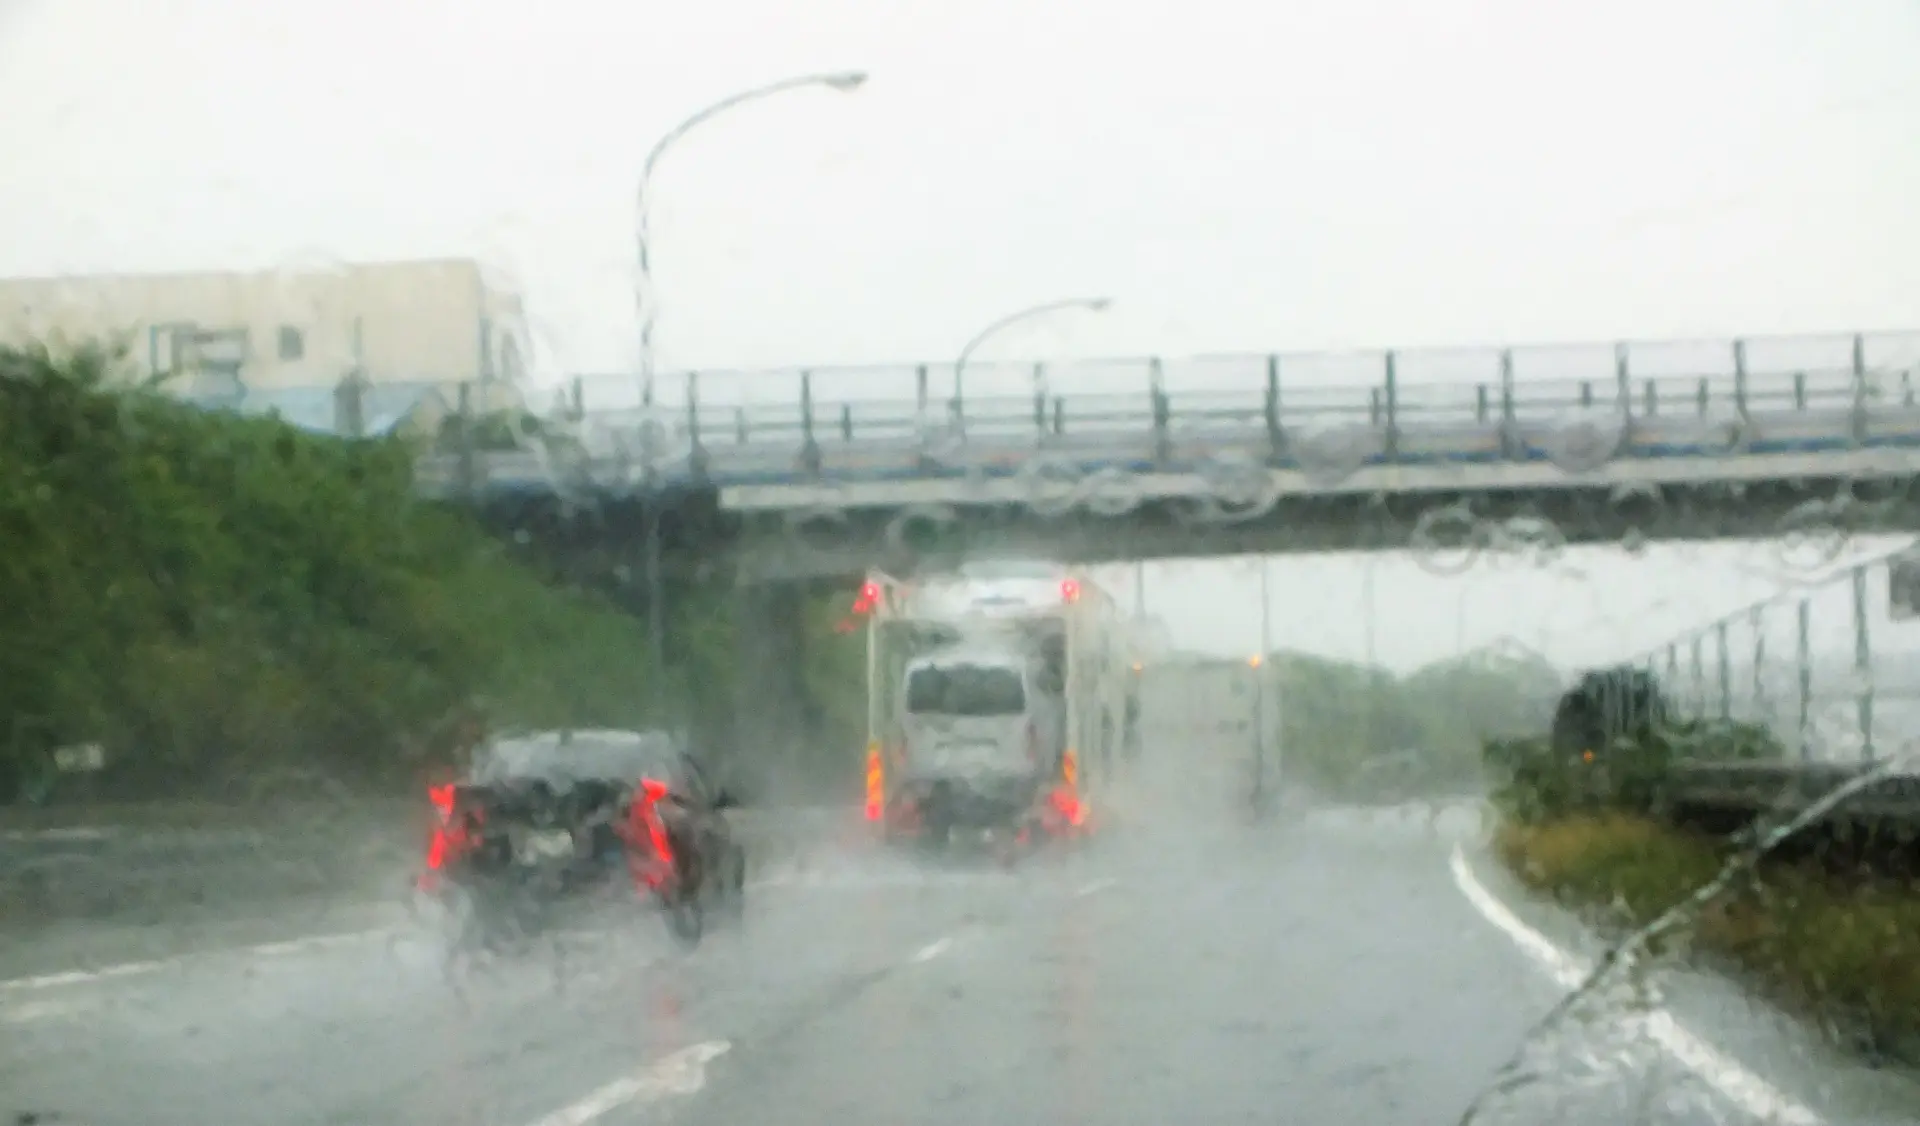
1334	968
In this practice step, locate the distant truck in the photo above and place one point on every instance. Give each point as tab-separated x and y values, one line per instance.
991	690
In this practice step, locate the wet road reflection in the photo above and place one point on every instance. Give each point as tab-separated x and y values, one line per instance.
1325	968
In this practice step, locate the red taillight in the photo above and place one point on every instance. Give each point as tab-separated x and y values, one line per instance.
644	823
450	837
1070	590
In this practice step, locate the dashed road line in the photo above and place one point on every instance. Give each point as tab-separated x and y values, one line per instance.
932	950
682	1073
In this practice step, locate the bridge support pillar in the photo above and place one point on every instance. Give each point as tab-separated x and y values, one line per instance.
771	724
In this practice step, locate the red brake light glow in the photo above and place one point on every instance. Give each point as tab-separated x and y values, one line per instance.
1070	590
653	868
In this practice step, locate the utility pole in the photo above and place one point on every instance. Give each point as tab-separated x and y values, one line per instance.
1366	613
1260	679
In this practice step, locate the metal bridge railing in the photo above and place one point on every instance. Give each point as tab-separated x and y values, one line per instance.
1832	668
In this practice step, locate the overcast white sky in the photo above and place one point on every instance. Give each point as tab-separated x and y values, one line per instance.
1238	176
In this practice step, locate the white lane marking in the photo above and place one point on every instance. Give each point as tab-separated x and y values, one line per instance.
74	833
1095	887
932	950
129	969
682	1073
282	947
1734	1082
77	977
24	1011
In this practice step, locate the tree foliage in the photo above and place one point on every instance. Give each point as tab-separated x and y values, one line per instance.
1355	731
210	597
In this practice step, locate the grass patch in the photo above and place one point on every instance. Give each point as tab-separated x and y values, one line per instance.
1845	954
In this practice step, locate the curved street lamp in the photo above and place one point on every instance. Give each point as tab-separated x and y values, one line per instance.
1092	304
843	81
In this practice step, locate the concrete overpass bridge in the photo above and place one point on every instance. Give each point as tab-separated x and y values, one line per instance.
807	474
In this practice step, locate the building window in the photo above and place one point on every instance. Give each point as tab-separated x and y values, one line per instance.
293	344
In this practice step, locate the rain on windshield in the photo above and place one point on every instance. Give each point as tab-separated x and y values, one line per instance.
1435	479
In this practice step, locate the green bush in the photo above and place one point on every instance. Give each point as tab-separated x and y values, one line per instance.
1612	744
212	596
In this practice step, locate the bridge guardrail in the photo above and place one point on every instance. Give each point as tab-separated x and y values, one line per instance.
1588	405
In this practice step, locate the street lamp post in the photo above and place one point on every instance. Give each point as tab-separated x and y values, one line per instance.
644	306
845	81
1092	304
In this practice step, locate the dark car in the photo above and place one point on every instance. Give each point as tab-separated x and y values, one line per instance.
541	816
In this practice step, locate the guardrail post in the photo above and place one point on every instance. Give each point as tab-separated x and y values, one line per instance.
920	391
1863	661
1859	389
1698	693
1162	412
809	445
469	469
1509	426
1059	415
1702	394
1726	670
1623	380
698	448
1740	379
1799	390
579	405
1803	662
1039	400
1762	709
1392	442
1653	398
1276	434
1673	664
846	422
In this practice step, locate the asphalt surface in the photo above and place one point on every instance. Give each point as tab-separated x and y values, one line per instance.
1333	966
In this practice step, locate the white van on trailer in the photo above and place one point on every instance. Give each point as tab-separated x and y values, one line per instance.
1057	618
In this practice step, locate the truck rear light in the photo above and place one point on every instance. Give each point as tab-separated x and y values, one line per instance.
876	783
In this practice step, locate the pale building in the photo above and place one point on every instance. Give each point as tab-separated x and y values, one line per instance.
409	333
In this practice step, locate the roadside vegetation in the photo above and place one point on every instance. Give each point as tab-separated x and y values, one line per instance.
1356	733
1828	928
217	601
